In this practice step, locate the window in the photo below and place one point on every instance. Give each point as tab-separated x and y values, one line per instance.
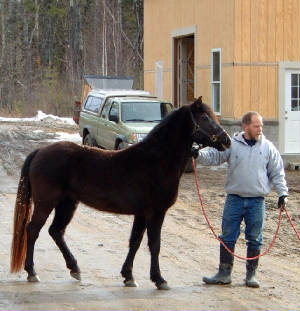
114	112
144	111
216	80
93	104
105	109
295	92
88	102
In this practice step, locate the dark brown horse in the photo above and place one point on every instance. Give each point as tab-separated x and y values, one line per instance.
141	180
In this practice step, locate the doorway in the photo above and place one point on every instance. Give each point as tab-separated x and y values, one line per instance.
292	112
289	108
183	70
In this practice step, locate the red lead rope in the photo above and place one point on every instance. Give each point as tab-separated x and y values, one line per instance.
225	246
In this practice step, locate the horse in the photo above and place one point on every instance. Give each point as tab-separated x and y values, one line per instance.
141	180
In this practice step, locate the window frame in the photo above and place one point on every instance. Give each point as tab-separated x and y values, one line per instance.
216	82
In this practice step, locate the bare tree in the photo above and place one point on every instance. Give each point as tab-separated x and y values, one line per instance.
47	45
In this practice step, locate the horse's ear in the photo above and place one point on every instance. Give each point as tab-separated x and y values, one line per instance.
198	102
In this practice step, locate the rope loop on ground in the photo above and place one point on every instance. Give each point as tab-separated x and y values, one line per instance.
225	246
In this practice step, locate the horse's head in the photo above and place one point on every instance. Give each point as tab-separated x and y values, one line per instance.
206	128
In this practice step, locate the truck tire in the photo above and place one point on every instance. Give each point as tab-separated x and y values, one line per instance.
89	141
121	145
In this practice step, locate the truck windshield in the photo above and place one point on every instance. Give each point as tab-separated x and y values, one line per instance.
144	111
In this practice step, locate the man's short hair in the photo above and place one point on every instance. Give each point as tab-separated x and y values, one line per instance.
248	116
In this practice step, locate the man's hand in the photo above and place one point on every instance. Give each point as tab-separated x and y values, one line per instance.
194	152
282	201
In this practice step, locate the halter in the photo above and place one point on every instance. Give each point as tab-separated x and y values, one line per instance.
197	127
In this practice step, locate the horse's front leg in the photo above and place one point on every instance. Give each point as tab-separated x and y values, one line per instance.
154	233
137	232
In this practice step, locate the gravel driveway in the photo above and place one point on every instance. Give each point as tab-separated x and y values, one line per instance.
99	241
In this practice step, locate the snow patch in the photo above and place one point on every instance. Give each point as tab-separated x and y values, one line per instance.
40	116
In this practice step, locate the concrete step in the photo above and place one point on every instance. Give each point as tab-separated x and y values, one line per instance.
291	161
292	166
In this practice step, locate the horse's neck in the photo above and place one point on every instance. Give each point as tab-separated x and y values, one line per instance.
172	140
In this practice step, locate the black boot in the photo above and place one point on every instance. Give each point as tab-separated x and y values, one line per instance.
251	267
223	276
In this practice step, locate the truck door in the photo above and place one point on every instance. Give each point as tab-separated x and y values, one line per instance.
113	126
103	124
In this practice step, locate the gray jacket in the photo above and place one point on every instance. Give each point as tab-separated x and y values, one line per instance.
251	170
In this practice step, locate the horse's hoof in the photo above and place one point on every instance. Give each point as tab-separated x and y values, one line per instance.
76	275
33	278
163	286
131	283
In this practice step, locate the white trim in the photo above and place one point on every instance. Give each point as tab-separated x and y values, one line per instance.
175	34
183	32
283	67
212	81
159	79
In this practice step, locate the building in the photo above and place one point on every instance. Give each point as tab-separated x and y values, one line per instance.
240	55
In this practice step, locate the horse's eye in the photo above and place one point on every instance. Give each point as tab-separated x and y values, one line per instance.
205	117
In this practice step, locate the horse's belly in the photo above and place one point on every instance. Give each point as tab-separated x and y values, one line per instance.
112	205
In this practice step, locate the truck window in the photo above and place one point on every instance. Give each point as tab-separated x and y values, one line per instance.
93	104
145	111
114	112
105	108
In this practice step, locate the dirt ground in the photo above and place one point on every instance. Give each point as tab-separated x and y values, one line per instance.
100	243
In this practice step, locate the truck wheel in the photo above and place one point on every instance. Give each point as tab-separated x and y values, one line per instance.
121	146
89	141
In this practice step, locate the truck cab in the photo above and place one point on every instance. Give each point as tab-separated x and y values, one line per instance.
116	119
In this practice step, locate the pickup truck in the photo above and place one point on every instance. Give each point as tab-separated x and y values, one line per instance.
116	119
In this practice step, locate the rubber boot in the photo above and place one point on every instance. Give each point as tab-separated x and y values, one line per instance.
251	267
223	276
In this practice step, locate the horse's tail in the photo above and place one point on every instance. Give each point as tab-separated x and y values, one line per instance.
22	214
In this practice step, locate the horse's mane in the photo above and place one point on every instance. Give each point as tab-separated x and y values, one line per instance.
170	120
181	112
173	121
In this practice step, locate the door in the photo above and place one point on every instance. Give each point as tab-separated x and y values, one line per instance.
103	123
185	70
292	112
113	125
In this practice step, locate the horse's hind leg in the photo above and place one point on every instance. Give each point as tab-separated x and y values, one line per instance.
154	234
63	215
137	232
38	219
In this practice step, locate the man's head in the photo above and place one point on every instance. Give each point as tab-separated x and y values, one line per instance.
252	125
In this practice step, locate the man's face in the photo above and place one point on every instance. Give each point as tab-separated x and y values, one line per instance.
253	130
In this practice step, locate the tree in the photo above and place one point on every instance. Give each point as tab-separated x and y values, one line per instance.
47	45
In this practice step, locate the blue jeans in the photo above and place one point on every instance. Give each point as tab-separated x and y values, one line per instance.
252	210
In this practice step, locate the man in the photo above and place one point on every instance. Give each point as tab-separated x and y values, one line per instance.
253	165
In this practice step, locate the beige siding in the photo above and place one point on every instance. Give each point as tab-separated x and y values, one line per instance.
162	17
254	36
227	92
267	32
291	30
203	84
